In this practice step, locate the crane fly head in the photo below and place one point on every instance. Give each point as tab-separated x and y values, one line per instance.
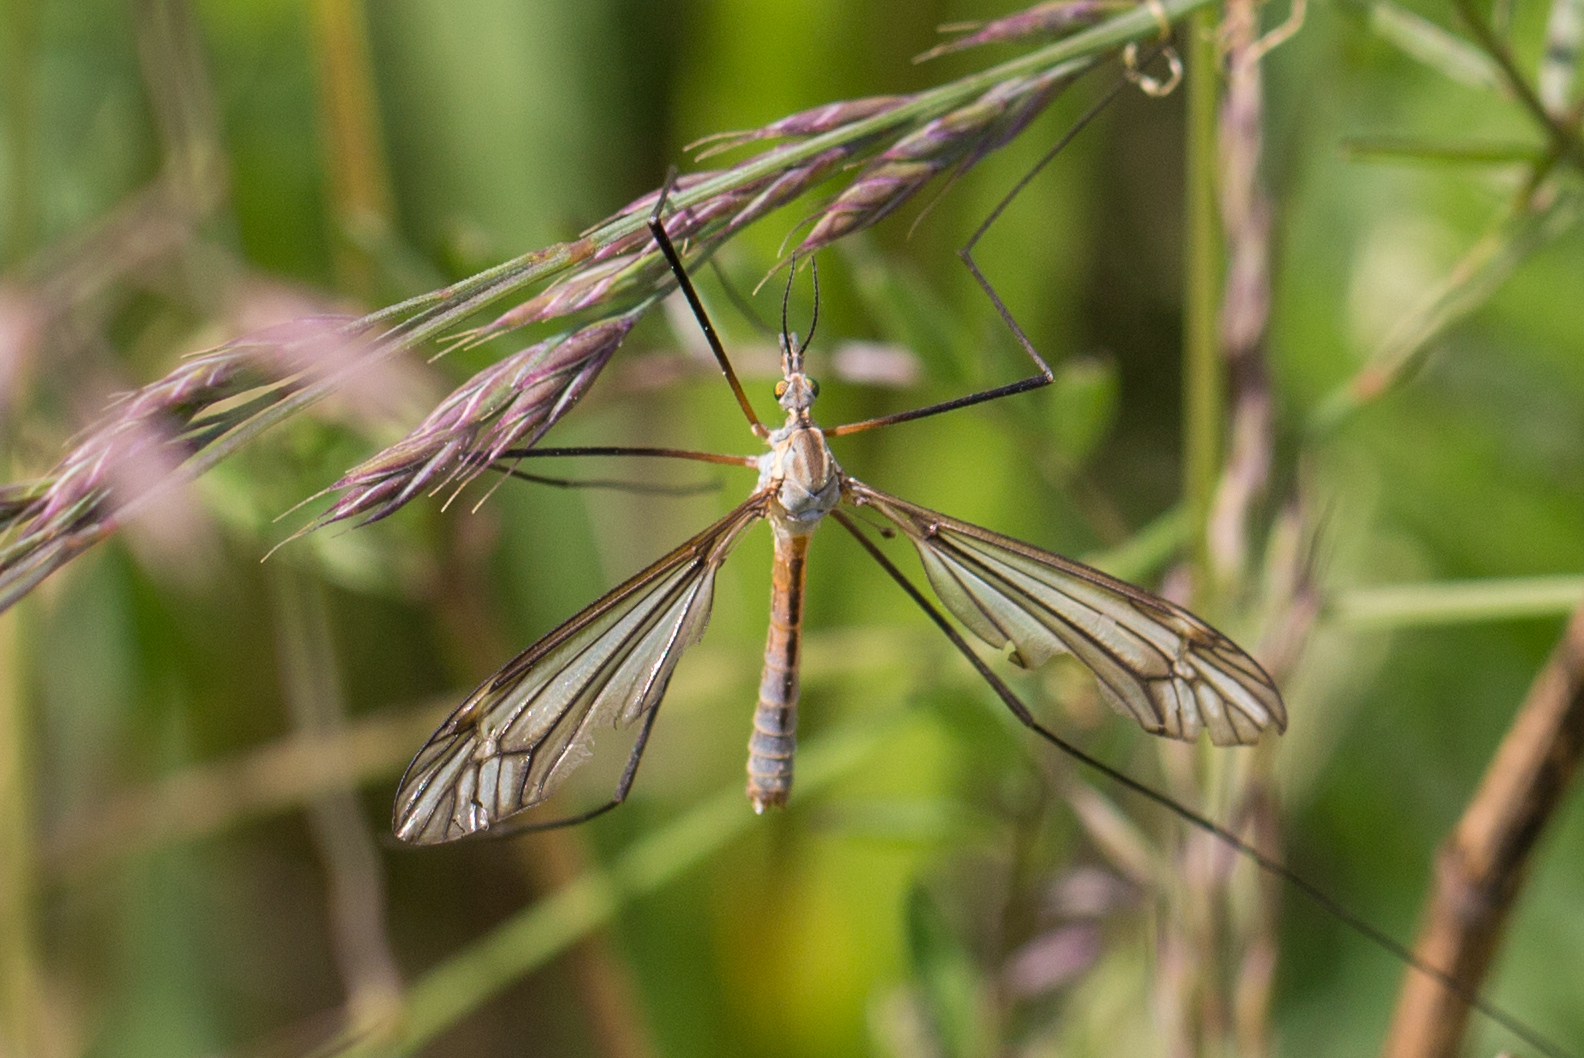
796	391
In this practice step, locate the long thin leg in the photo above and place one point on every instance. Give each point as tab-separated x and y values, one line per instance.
1045	377
610	484
1266	863
657	229
624	450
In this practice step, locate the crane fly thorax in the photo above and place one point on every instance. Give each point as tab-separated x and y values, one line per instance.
803	473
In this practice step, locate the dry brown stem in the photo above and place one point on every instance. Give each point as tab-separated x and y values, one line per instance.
1217	961
311	685
360	194
1482	865
1245	300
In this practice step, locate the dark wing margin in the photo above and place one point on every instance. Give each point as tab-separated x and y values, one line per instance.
1154	661
523	730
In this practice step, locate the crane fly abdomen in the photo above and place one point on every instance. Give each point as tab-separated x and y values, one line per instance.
774	738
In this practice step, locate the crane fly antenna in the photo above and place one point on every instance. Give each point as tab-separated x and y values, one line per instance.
1265	863
657	229
814	319
786	299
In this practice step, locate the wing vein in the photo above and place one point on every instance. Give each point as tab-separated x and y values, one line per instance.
1154	661
517	736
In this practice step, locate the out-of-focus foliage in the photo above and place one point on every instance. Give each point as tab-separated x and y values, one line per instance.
192	878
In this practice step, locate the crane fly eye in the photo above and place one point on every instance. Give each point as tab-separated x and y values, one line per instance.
781	389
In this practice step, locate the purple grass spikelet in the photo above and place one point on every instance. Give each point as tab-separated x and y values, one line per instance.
581	290
82	501
810	122
789	185
633	264
963	135
211	405
1054	17
509	404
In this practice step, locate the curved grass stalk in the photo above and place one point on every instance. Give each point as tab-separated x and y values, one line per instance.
216	403
1454	602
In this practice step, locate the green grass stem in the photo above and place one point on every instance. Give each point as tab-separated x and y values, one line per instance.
1144	553
533	936
1457	602
18	954
20	18
1441	50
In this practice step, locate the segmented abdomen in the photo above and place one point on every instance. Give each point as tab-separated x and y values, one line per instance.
775	720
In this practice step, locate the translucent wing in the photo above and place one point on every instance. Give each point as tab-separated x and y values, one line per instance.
1155	661
524	729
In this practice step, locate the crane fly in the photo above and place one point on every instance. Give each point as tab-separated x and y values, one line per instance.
523	730
519	734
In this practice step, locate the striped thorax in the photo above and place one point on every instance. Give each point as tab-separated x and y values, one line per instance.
799	465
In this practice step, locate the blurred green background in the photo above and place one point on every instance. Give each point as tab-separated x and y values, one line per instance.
191	893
